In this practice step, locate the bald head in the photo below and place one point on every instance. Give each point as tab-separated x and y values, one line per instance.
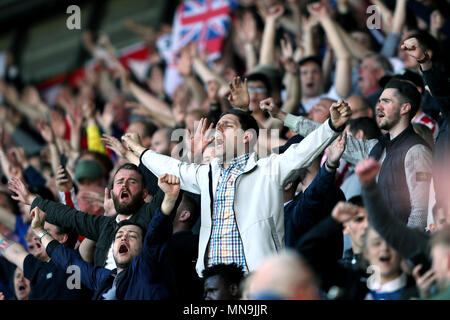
285	275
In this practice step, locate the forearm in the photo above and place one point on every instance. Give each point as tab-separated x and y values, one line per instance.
149	101
267	52
300	124
12	251
54	157
65	216
399	16
343	77
293	93
354	47
338	45
251	59
206	74
168	204
159	164
308	43
403	239
198	92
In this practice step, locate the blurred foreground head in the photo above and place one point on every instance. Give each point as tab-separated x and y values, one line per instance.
285	276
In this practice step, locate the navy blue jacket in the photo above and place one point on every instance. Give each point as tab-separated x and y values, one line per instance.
311	206
147	277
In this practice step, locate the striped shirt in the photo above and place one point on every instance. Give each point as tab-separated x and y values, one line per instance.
226	243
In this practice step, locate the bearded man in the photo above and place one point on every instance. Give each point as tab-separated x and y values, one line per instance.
128	194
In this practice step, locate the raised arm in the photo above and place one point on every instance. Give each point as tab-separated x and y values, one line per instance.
59	214
267	53
356	150
403	239
64	257
292	79
301	155
12	251
160	164
343	64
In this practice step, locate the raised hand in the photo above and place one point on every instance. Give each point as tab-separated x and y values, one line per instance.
212	88
106	118
200	140
248	28
46	132
137	108
425	281
318	10
367	170
169	184
287	56
344	211
239	97
340	113
114	144
269	106
133	143
58	124
108	204
20	191
415	49
275	12
184	63
63	180
21	157
88	110
37	224
335	150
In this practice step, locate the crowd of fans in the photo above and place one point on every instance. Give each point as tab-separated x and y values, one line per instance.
309	161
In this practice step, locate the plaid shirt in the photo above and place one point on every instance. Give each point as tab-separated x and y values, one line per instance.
225	243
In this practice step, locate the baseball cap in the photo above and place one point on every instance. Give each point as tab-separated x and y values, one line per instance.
88	169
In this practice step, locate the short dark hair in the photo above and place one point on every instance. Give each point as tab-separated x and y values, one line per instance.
367	125
129	166
257	76
188	203
382	62
72	236
129	223
245	119
229	273
314	59
406	92
428	42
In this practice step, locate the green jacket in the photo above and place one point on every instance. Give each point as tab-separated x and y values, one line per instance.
97	228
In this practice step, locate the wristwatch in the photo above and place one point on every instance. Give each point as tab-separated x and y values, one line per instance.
42	234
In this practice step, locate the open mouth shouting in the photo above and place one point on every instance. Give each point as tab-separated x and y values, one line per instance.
123	249
22	288
125	195
385	259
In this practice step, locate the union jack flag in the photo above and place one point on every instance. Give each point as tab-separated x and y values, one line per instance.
206	22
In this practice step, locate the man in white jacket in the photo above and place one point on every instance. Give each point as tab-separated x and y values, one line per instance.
242	218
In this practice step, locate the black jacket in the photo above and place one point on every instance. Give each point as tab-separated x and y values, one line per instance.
97	228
